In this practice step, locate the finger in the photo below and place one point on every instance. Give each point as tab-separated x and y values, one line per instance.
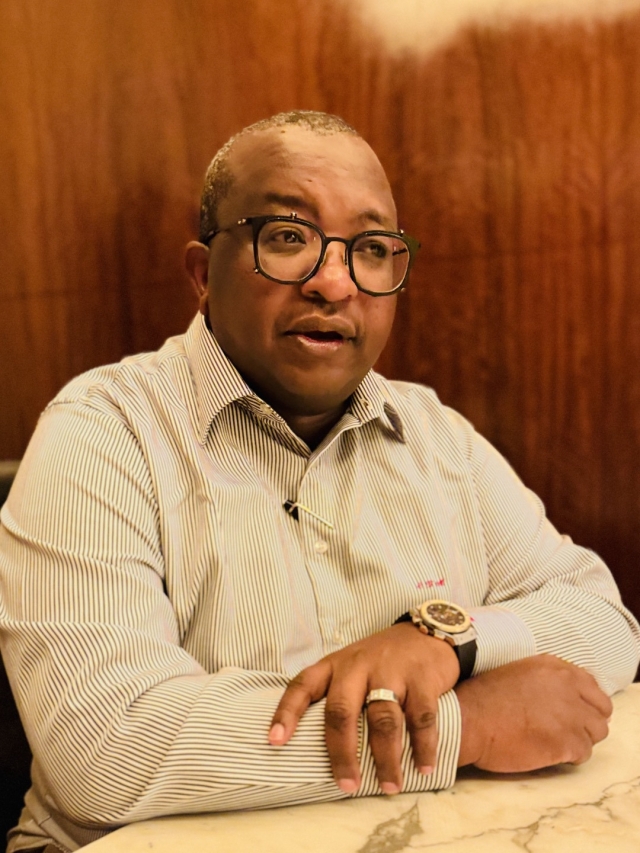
385	721
308	686
421	713
582	750
342	715
597	728
595	697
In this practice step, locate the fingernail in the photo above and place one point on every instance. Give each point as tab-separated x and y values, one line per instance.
276	735
389	788
426	770
347	785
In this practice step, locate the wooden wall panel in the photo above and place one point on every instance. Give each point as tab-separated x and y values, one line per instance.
525	308
514	156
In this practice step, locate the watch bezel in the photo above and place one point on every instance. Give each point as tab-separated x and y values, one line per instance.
430	621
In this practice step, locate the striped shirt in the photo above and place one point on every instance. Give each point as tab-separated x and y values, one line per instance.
156	596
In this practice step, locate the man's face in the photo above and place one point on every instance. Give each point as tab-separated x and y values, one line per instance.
304	348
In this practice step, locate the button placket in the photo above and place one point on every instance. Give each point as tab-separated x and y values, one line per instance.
318	540
317	490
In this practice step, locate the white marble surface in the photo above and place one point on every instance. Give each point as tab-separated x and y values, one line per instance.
594	808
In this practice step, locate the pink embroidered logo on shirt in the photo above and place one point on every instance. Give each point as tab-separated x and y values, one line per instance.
430	584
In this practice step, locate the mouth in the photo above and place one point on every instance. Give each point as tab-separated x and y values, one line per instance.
319	336
319	342
323	333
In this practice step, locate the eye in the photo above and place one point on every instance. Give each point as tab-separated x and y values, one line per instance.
284	234
373	248
289	236
284	238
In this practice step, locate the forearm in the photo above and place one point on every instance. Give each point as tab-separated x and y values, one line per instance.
545	595
124	736
573	612
588	629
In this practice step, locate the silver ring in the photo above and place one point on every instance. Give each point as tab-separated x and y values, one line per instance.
381	695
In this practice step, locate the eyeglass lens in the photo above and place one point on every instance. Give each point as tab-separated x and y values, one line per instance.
289	251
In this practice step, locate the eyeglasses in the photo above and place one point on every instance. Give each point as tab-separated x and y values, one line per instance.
289	250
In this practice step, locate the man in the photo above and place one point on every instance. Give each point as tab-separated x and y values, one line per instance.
213	555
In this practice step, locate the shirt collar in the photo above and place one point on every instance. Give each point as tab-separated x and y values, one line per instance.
218	383
376	398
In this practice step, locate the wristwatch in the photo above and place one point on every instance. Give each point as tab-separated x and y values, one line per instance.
448	622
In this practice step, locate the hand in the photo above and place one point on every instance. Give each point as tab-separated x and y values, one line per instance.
530	714
418	668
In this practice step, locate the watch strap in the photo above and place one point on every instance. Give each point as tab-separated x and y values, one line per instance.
466	654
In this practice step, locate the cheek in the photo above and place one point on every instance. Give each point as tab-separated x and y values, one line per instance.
379	322
245	309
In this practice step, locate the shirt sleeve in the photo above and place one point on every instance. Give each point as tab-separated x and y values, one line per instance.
545	594
124	723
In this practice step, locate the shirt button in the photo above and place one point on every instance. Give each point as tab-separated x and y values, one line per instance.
321	546
338	638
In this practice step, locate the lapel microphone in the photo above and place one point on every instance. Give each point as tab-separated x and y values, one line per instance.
292	508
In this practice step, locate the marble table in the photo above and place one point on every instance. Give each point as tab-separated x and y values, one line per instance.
594	808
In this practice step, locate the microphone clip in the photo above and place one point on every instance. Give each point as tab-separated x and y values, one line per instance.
292	508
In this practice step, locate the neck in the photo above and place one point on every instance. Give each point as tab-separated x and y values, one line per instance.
312	428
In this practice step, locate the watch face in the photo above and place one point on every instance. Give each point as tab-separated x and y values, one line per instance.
445	616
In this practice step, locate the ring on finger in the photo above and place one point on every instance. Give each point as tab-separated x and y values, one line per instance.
381	694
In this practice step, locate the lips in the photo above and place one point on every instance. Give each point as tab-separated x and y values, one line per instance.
321	336
323	329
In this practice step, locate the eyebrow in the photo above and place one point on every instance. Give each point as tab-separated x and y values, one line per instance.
372	215
291	201
296	201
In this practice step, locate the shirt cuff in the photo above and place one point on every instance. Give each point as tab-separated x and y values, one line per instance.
444	775
502	637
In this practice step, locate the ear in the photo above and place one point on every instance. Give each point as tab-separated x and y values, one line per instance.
196	260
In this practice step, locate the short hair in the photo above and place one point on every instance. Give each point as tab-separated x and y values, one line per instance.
219	178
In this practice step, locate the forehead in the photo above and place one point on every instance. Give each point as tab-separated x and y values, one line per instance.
334	173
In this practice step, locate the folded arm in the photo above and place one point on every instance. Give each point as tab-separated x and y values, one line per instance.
545	594
124	723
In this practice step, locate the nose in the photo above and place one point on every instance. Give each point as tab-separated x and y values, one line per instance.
332	282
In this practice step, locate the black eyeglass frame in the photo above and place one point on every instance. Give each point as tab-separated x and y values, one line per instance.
257	223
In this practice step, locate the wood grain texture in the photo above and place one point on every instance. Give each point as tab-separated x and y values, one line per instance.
514	157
